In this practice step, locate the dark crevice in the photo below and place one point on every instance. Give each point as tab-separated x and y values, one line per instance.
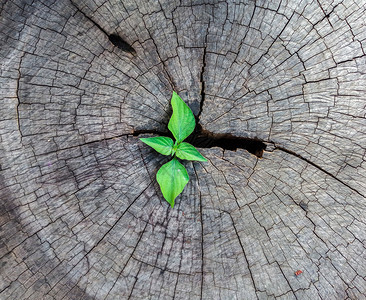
201	138
205	139
202	85
115	39
202	79
121	44
18	96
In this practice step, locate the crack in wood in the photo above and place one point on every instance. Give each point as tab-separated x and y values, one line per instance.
203	94
242	248
201	219
319	168
18	96
114	38
131	256
121	44
201	138
206	139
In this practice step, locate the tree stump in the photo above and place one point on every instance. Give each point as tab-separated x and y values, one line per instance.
278	89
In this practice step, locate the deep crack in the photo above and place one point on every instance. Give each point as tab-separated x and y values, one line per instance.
204	139
115	39
201	77
121	44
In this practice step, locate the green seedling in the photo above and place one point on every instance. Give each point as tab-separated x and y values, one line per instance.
172	176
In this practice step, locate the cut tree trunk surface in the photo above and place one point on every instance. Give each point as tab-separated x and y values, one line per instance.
279	92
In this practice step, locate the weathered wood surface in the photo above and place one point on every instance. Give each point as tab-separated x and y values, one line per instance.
81	214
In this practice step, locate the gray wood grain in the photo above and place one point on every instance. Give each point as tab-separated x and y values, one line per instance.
82	216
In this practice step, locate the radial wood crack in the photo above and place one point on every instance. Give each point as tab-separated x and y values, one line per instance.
202	80
204	139
320	168
121	44
115	39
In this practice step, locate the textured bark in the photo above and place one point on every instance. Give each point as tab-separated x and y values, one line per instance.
82	216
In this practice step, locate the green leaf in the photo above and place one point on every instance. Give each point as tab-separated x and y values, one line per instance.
162	144
182	122
172	178
187	151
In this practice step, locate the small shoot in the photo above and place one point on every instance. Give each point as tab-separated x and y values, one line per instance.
172	176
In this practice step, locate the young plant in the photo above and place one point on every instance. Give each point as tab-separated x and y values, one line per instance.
172	176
